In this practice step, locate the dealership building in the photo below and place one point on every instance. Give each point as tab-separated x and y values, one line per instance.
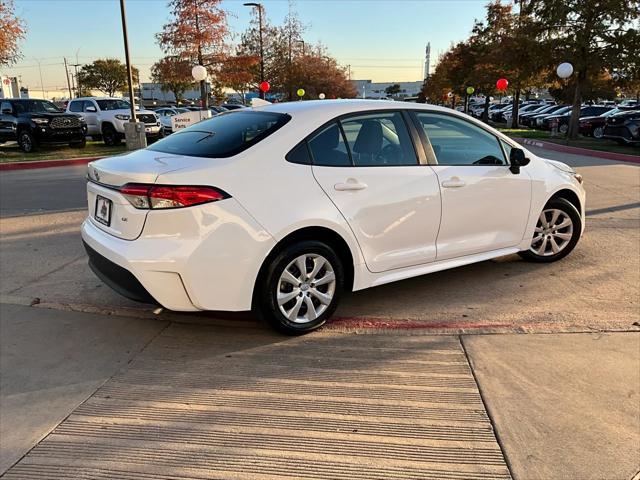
377	90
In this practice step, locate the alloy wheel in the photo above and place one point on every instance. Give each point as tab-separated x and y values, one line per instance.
598	132
553	232
25	142
306	288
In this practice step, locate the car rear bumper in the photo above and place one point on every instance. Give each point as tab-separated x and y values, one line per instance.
119	279
205	257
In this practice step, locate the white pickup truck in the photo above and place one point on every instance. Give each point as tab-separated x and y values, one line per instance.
106	116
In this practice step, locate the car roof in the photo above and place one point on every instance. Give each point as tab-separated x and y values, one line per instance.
333	108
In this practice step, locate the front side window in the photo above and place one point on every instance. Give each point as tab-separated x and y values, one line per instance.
113	104
458	142
5	106
379	139
75	106
222	136
328	148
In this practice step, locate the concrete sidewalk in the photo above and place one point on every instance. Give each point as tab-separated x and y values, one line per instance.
564	406
243	403
204	402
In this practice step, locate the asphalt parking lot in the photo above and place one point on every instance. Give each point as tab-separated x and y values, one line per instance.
405	383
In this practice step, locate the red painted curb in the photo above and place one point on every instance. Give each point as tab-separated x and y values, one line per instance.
621	157
46	163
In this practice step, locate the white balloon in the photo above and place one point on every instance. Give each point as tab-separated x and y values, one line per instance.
199	73
564	70
322	96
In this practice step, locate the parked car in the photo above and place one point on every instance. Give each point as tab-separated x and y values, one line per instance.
536	119
37	122
382	191
232	106
524	108
524	118
164	115
564	118
498	114
624	127
594	126
216	109
106	116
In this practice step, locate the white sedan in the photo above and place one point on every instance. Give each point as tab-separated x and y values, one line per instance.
283	208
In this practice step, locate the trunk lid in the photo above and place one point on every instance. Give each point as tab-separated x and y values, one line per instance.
109	210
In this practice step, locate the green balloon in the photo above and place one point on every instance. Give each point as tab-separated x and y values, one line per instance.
470	90
301	92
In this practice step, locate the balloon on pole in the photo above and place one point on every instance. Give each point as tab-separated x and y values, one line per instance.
301	92
449	95
264	87
564	70
470	90
322	96
199	73
502	84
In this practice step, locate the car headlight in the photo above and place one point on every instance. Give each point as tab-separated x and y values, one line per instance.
40	121
121	116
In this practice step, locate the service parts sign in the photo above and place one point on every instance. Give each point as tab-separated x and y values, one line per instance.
184	120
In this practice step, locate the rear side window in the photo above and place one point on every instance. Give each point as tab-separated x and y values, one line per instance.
328	148
75	106
222	136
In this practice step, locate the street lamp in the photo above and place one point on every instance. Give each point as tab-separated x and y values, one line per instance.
259	7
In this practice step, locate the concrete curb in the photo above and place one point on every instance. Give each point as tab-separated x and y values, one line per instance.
46	163
621	157
337	324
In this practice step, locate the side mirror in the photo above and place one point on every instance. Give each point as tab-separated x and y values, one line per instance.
517	160
90	109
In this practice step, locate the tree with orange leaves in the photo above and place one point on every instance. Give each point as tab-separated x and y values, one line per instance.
174	74
196	33
12	30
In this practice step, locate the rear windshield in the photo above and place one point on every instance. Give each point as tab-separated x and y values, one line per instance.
222	136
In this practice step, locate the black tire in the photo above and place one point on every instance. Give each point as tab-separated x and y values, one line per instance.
26	141
110	136
563	129
572	212
266	302
79	144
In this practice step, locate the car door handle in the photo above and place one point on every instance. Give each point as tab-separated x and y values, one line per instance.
453	182
350	185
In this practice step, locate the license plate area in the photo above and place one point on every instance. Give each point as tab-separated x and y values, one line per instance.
103	209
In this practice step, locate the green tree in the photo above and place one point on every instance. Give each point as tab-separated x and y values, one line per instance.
593	35
174	75
108	75
12	30
392	89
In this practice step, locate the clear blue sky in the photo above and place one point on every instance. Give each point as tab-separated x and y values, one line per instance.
382	40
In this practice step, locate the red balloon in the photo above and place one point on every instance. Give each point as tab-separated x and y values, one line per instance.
264	86
502	84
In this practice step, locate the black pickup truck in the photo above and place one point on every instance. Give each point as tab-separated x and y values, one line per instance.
33	122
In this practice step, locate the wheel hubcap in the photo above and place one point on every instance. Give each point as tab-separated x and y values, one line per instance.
306	288
553	233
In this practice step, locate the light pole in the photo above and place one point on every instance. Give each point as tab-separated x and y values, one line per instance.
259	7
134	132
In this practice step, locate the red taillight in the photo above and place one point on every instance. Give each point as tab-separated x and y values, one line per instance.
146	196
